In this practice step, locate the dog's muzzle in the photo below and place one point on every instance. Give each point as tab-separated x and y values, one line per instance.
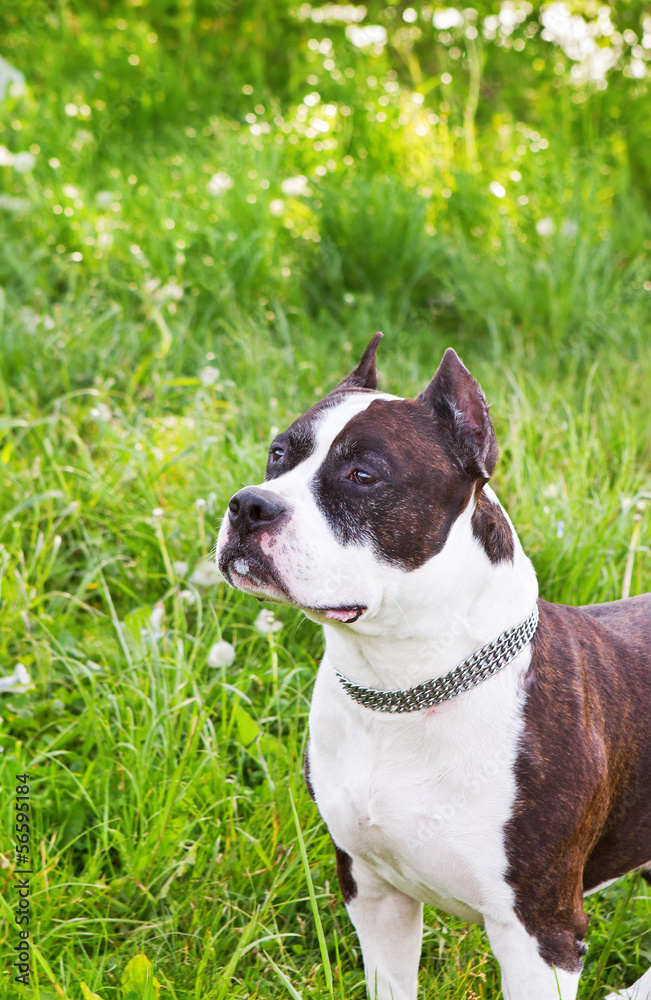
252	508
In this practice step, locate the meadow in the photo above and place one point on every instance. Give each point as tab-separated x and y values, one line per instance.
207	207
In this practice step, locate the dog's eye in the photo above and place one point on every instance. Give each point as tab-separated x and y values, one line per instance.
276	453
362	478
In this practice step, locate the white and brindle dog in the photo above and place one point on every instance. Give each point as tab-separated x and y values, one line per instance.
471	746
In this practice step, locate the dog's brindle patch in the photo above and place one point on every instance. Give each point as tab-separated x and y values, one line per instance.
347	883
583	811
306	772
298	442
421	490
442	446
492	530
459	407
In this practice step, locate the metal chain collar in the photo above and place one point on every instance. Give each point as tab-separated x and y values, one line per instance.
482	664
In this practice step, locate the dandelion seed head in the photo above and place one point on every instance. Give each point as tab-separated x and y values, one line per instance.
209	376
23	162
295	186
219	183
206	574
266	622
221	654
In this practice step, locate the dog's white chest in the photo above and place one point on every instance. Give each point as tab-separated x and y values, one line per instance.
422	799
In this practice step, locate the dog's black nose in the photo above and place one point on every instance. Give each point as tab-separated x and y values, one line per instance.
251	508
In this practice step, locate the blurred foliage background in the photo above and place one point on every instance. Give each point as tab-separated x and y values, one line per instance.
206	209
483	171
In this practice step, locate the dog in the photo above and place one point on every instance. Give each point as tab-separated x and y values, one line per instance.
470	745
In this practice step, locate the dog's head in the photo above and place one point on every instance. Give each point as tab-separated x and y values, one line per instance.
361	492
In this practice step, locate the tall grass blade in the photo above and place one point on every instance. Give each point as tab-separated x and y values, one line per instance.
325	958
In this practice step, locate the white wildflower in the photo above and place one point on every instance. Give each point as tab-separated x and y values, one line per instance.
447	17
6	157
30	319
10	79
11	204
101	413
266	622
17	682
221	654
295	186
104	199
579	39
209	375
181	568
23	162
545	227
206	574
156	620
219	183
187	597
21	674
276	206
364	35
497	189
82	137
165	293
637	69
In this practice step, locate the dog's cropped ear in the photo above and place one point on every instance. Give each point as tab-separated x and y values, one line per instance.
365	375
460	408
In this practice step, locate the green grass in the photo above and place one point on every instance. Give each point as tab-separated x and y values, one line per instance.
142	368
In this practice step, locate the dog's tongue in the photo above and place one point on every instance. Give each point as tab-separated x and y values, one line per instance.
343	614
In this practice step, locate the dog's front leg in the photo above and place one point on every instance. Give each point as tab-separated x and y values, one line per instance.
389	925
525	973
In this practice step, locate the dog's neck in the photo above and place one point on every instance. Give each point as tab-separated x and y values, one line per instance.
437	615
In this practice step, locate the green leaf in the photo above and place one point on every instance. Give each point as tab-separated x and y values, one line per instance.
138	622
248	729
88	994
139	981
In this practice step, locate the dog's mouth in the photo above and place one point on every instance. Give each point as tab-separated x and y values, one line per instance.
347	614
255	576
